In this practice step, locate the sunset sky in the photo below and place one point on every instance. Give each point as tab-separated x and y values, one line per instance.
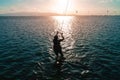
83	7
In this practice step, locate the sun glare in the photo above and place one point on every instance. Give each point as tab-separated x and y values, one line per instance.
61	6
63	23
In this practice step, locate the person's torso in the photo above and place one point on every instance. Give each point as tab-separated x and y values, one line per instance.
56	42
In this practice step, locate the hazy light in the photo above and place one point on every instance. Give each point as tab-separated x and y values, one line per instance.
63	6
83	7
63	23
60	6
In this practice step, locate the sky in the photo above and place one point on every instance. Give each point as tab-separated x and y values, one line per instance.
83	7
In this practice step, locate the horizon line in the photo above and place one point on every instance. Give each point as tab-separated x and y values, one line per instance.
52	14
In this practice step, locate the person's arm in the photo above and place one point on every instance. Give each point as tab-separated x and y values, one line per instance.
62	37
57	33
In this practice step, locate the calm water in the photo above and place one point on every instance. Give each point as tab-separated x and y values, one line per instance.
91	48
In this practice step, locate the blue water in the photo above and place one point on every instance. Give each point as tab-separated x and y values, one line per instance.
91	48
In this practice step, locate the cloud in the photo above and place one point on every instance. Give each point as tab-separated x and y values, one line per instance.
109	1
41	4
48	5
28	6
105	1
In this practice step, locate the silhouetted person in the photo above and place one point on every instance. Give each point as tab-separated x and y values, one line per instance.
57	47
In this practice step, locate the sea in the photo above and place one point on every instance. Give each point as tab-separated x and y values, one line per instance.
91	48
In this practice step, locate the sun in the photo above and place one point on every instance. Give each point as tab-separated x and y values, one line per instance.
61	6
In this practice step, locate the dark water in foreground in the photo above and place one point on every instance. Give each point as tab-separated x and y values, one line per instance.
91	48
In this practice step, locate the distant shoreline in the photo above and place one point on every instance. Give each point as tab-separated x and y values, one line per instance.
58	15
48	14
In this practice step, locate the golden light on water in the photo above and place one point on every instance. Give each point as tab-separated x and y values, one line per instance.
63	24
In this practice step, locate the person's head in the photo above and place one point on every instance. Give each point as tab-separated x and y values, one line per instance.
56	37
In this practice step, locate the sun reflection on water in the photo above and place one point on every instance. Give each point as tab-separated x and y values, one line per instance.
63	24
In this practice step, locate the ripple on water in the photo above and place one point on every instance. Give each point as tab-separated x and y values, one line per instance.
91	48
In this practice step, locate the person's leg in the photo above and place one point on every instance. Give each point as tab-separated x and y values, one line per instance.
56	54
61	53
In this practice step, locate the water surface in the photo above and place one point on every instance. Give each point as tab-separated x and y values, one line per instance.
91	48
